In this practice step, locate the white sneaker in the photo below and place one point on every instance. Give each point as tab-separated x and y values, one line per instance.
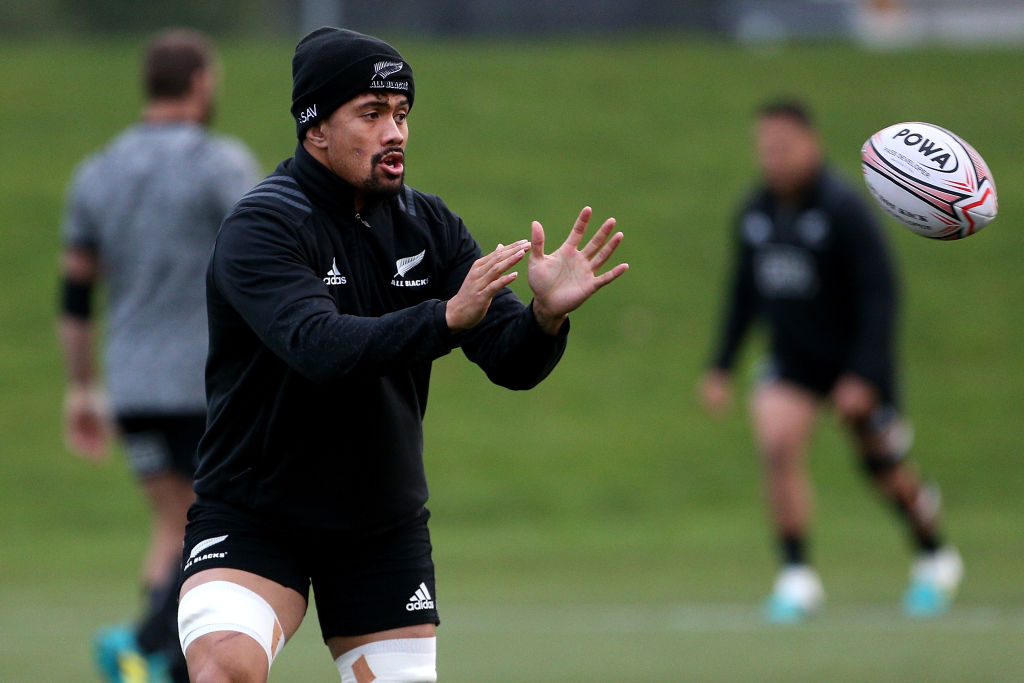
797	594
934	580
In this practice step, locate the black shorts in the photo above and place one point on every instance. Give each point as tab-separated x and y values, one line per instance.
362	583
819	378
162	443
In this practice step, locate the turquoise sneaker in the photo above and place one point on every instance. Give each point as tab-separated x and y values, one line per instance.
934	580
797	595
121	661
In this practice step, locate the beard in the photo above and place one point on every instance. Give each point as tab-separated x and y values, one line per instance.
378	184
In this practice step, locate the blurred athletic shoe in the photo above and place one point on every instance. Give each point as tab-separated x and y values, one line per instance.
934	580
121	661
797	594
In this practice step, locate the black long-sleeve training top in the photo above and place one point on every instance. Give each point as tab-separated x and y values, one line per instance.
323	327
819	276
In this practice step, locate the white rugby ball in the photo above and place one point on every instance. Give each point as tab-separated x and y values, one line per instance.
930	180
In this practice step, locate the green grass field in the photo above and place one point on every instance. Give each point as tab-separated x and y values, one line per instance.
598	528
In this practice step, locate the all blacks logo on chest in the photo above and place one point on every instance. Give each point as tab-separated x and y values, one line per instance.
403	266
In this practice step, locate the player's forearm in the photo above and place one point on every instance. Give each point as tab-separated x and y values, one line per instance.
79	272
76	337
327	346
732	332
738	313
511	346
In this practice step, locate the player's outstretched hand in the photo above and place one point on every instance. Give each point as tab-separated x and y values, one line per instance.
484	280
562	280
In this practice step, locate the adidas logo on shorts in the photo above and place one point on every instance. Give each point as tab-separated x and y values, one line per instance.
420	600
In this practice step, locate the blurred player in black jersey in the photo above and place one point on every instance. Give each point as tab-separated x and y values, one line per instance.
812	266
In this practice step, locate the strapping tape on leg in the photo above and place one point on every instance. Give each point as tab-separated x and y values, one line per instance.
225	606
895	434
399	660
894	437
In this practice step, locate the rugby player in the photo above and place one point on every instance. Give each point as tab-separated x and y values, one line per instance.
331	289
141	217
812	266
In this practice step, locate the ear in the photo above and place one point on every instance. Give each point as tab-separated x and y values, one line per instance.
315	135
203	82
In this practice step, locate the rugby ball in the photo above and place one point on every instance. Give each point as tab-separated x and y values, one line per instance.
930	180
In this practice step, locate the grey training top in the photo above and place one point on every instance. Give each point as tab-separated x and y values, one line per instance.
150	205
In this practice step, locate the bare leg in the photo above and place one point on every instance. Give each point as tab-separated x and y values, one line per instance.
169	495
784	417
938	569
897	480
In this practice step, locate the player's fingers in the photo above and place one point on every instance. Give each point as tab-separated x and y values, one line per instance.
606	251
487	261
536	240
502	249
512	246
492	288
509	260
603	279
599	238
579	227
487	273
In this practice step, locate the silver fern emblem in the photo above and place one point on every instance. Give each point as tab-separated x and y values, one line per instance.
385	69
404	265
203	545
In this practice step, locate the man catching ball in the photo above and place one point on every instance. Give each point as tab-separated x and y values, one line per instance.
331	289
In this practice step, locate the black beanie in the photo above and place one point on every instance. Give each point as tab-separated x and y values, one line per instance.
333	65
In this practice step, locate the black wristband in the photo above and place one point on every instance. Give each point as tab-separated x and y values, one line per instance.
76	299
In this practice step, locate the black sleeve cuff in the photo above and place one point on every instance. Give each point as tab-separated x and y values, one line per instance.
451	340
535	331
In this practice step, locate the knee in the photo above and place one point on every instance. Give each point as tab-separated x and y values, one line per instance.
884	445
225	667
780	455
228	633
211	672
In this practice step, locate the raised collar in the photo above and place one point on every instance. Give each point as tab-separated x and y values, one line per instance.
323	187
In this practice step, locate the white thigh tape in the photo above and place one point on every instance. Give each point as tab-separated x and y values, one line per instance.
225	606
400	660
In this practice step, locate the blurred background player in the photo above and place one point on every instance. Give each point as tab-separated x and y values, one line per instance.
811	264
142	216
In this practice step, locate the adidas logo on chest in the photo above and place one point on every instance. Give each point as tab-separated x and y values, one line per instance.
334	276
